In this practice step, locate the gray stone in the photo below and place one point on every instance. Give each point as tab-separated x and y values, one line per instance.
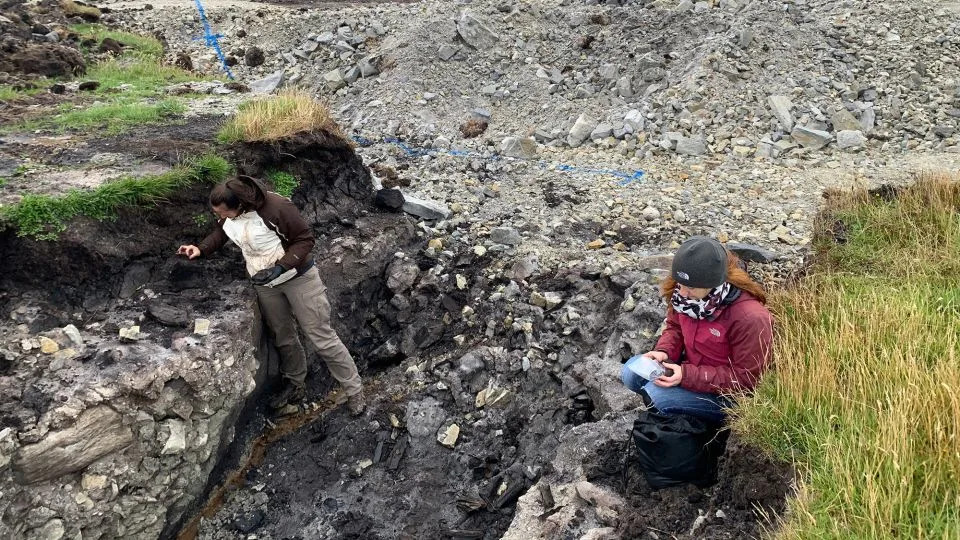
814	139
74	335
609	72
424	208
368	67
424	418
752	253
98	432
783	146
868	120
546	300
525	267
177	439
334	79
268	84
519	147
844	120
635	120
401	275
850	139
506	235
689	146
352	75
650	213
581	130
474	32
653	74
602	131
781	105
625	86
447	51
745	38
52	37
168	315
51	530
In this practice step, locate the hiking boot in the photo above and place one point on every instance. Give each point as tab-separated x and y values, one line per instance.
356	404
291	393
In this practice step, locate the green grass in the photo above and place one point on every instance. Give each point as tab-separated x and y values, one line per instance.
283	183
44	217
117	116
865	394
145	45
9	93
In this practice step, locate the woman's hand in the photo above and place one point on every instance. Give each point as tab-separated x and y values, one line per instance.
192	252
659	356
666	381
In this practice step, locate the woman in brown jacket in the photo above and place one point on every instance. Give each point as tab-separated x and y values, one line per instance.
277	247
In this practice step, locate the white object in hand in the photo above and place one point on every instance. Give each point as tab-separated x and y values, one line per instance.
647	367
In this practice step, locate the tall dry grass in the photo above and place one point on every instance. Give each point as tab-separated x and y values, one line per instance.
279	117
865	394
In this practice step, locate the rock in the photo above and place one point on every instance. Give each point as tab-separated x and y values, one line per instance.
596	244
97	432
423	418
602	131
474	32
868	120
446	51
524	268
635	120
111	46
268	84
201	327
581	130
850	139
814	139
177	439
689	146
51	530
88	86
546	300
425	209
368	67
745	38
390	199
506	235
781	105
93	482
168	315
401	275
338	80
752	253
74	335
493	397
844	120
448	436
254	56
48	346
49	59
650	213
519	147
58	88
183	61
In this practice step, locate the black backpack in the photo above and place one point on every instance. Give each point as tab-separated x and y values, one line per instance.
678	448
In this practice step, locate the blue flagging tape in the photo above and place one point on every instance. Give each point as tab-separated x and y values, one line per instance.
626	177
211	39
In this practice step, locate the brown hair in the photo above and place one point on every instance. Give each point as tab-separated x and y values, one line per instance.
239	193
736	276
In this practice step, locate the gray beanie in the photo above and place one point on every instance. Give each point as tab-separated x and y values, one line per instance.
700	262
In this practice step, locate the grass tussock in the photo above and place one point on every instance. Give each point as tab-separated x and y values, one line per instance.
75	9
44	217
278	117
865	394
283	183
143	45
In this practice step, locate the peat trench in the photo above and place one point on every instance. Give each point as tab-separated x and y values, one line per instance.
476	394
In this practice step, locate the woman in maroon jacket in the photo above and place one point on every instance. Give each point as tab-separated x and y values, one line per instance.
717	337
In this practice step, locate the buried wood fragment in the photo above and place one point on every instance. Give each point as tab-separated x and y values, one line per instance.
462	534
397	453
546	496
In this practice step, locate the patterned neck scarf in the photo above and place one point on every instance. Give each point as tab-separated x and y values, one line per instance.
707	307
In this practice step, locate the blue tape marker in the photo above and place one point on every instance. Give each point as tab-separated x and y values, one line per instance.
211	39
626	177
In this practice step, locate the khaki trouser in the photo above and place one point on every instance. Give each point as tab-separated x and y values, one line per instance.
303	300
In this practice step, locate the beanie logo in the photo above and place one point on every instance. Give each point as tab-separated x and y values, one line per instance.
683	275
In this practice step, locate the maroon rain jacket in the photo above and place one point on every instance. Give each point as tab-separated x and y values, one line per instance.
723	355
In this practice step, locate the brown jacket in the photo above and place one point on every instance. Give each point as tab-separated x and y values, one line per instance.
282	217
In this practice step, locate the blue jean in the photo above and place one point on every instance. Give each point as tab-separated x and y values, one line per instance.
675	400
